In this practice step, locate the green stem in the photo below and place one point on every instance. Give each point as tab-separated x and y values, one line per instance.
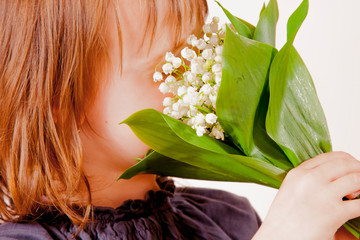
202	109
158	66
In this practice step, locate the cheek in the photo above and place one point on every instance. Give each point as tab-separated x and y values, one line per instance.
121	98
131	94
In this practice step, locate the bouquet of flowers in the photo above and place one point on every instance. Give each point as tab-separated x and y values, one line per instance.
240	109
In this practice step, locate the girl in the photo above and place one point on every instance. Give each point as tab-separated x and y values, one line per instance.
70	71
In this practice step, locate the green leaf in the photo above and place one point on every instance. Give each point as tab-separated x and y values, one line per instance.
244	79
155	163
249	25
266	28
265	147
295	119
161	121
187	134
296	19
245	68
241	26
172	144
262	9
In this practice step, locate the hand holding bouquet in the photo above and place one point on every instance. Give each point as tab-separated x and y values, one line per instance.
240	109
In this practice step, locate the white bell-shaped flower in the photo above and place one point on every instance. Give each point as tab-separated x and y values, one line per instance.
157	77
169	56
164	88
208	54
201	44
168	68
210	118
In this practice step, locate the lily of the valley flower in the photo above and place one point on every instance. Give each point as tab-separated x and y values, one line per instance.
196	85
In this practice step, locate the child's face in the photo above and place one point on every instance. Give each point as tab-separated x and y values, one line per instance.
123	94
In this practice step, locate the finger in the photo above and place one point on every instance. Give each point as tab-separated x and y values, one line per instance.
352	208
337	168
346	185
324	158
315	161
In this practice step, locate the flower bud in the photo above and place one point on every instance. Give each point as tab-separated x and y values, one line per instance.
219	50
181	91
164	88
191	39
215	19
200	131
210	118
214	40
216	68
207	28
157	77
169	56
167	101
214	27
208	54
167	110
176	62
188	54
168	68
206	89
201	44
206	77
170	79
218	59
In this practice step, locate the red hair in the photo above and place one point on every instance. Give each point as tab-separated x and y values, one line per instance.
49	50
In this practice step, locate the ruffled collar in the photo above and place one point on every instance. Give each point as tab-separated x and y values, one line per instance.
154	200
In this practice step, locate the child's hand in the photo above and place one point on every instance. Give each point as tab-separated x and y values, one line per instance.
309	203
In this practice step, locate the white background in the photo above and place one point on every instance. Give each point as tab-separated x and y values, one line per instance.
329	43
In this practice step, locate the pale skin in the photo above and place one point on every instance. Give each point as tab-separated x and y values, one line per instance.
309	204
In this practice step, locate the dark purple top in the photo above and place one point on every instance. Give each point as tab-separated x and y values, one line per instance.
170	213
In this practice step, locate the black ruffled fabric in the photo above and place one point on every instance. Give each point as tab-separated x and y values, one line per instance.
170	213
